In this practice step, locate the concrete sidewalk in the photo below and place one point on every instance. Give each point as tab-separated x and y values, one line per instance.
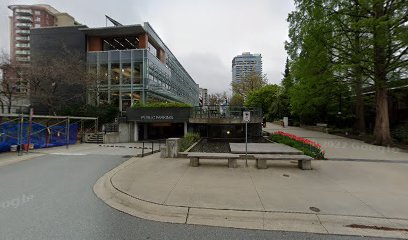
341	148
327	199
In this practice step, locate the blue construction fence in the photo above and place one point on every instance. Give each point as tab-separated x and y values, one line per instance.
40	136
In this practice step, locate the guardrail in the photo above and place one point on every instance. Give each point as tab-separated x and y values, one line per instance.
147	143
224	111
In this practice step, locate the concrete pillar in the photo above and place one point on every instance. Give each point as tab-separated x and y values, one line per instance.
261	164
136	132
145	131
305	164
163	152
143	41
161	55
173	147
194	162
232	163
185	128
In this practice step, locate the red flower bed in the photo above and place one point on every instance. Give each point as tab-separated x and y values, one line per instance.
309	147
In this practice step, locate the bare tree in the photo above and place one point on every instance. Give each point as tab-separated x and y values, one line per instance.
251	82
217	98
11	76
58	81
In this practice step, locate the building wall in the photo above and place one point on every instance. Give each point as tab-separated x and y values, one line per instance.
56	41
134	75
148	72
27	17
63	20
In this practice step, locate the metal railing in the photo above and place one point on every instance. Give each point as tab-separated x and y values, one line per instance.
110	127
224	111
149	144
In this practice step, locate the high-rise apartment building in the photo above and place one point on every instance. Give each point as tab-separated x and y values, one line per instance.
244	65
204	99
26	17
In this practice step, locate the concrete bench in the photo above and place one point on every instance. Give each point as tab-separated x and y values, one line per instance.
196	156
304	162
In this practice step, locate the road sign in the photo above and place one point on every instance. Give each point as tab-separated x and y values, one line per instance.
247	116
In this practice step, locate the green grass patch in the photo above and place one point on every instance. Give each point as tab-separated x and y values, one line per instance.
161	105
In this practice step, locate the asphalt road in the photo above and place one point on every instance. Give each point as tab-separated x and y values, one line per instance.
51	197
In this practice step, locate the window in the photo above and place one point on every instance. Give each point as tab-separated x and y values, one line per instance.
37	12
37	19
37	25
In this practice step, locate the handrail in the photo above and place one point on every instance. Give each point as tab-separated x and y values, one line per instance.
224	111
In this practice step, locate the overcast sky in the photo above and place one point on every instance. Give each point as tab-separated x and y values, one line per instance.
203	34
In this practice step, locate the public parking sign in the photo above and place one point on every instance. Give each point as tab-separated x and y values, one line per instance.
247	116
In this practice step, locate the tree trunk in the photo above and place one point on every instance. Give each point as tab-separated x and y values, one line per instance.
382	133
9	103
382	126
360	118
358	82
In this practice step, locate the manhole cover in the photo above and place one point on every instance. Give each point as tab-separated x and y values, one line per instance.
314	209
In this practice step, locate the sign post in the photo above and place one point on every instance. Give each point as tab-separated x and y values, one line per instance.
247	119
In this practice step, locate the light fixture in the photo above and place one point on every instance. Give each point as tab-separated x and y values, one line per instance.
228	132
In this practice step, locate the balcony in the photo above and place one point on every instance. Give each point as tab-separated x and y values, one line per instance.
23	45
24	11
23	32
24	19
22	38
23	59
23	52
24	25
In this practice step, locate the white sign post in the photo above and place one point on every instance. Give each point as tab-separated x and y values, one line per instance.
247	119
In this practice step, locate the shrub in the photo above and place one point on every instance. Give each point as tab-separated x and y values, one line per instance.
400	133
188	140
161	105
307	146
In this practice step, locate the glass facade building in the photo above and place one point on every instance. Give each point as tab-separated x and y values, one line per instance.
144	72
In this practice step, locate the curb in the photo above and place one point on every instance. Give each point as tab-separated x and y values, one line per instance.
105	190
244	219
17	159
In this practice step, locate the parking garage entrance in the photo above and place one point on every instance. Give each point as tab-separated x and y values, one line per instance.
159	123
160	130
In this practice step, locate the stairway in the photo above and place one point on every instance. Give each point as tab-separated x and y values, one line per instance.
95	138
